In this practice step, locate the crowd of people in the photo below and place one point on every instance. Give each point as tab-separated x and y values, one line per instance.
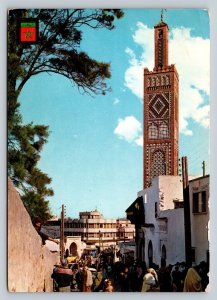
82	276
97	274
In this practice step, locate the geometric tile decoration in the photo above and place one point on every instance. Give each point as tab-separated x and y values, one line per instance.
158	106
158	163
161	119
158	129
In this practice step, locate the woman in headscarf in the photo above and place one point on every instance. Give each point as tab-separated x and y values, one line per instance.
193	280
150	280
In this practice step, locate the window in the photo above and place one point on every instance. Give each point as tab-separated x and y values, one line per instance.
163	131
155	209
163	252
199	202
193	254
203	206
153	131
149	81
195	202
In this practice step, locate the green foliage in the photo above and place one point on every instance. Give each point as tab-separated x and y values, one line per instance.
57	51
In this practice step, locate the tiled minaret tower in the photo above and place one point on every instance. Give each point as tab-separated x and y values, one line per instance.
161	111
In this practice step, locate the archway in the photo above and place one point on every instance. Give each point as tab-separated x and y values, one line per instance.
73	249
163	253
150	254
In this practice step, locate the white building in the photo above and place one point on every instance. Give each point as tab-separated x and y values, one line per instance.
162	233
199	218
94	229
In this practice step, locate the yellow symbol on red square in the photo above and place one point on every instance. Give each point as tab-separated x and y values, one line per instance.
28	32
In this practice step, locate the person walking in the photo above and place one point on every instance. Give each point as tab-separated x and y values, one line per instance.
164	277
137	278
124	280
63	277
150	280
98	281
193	280
87	279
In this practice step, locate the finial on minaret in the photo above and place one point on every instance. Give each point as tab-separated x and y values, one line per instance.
162	14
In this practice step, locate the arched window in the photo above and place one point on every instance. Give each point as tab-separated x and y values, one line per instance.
163	131
153	131
73	249
150	253
163	252
159	167
149	81
163	80
167	80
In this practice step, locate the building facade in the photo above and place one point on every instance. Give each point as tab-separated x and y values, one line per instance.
199	218
94	229
161	122
161	235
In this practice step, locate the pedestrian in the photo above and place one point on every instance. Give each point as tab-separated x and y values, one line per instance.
124	280
150	281
108	286
63	277
87	279
98	281
76	285
38	227
137	278
164	277
177	280
193	280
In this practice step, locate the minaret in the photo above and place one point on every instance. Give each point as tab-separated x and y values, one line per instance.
161	111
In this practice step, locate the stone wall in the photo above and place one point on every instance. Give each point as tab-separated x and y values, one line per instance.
30	264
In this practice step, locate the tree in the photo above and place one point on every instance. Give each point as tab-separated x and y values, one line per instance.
57	51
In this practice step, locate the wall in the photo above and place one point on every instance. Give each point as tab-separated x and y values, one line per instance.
30	264
175	236
199	221
163	191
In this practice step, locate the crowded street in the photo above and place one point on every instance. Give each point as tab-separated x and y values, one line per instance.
100	274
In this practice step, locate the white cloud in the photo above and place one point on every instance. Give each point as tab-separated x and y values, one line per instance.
139	141
191	56
129	129
116	101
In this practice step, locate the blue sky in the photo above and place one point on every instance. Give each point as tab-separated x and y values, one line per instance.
94	152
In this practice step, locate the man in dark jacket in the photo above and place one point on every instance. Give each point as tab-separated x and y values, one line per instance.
63	277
